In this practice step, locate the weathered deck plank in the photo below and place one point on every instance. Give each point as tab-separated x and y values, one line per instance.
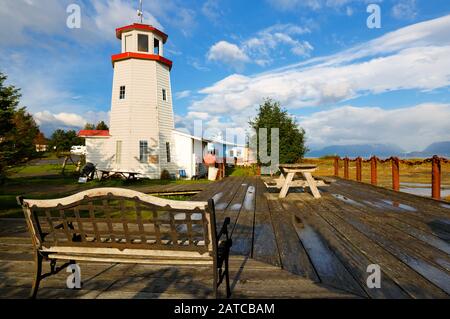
265	246
354	260
294	257
242	233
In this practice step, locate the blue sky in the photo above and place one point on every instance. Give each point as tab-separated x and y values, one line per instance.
345	83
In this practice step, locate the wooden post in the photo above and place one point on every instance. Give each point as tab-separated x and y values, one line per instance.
64	164
258	170
359	169
224	167
373	171
346	167
436	178
395	174
336	166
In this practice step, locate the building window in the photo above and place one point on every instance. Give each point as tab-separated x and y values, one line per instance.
142	42
168	151
118	152
122	92
143	151
128	44
164	94
156	46
231	153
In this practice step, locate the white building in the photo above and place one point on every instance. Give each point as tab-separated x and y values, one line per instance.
142	137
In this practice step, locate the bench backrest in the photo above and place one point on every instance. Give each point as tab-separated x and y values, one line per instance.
123	219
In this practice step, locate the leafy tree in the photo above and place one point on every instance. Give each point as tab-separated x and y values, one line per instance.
24	133
89	126
62	141
102	126
292	137
17	128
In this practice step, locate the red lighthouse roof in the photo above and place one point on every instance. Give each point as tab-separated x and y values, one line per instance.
93	133
143	27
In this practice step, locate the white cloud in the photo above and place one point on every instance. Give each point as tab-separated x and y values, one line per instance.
182	94
416	57
405	9
19	16
49	121
259	48
212	10
112	14
65	119
20	20
271	38
285	5
228	53
413	128
395	61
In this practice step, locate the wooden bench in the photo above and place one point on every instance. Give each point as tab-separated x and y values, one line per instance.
124	226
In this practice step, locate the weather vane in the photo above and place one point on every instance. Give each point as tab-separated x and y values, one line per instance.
139	11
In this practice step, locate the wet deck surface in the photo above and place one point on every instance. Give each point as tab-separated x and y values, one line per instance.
298	247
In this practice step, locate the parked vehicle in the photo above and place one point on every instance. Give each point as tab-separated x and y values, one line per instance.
78	150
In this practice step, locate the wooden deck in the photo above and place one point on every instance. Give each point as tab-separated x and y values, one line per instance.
298	247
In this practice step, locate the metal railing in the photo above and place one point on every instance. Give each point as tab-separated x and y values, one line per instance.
436	173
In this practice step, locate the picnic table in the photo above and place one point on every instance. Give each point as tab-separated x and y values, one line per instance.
105	174
289	172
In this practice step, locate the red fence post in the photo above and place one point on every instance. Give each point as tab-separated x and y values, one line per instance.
359	169
395	174
336	166
346	168
436	178
373	171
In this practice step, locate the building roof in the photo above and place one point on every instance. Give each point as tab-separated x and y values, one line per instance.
143	27
142	56
93	133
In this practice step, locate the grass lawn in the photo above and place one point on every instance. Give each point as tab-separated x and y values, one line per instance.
46	181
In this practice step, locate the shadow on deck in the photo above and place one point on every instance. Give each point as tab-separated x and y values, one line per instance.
298	247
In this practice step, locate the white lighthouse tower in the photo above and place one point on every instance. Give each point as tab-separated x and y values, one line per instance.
141	118
142	138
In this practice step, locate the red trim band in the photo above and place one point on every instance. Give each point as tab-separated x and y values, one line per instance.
139	26
94	133
142	56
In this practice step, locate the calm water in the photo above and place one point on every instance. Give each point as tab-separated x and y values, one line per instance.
423	189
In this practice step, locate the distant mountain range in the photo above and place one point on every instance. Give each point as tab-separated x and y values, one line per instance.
381	150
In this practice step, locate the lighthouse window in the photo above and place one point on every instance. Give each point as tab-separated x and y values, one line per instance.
122	92
164	95
143	151
143	42
168	151
156	46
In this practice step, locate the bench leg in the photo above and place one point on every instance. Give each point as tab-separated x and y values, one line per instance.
215	281
312	185
287	183
227	278
38	271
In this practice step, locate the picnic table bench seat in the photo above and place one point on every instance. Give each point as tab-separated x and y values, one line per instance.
124	226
